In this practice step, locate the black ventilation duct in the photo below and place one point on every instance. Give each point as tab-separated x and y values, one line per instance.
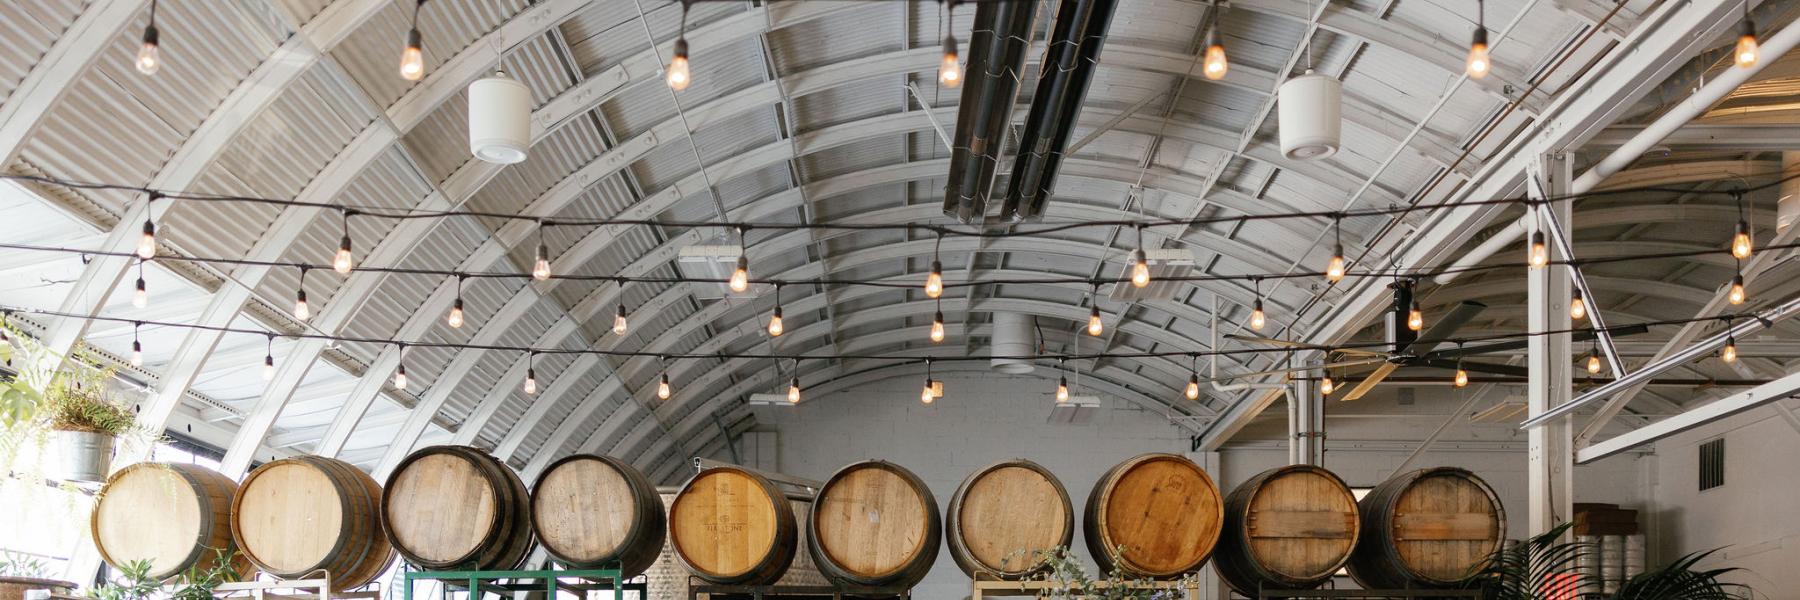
997	48
1069	63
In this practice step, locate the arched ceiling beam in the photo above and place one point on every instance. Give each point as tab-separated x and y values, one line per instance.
93	33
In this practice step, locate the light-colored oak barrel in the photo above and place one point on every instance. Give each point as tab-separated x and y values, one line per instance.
732	526
874	523
1288	528
1156	516
457	508
296	517
1004	518
1428	528
592	511
176	516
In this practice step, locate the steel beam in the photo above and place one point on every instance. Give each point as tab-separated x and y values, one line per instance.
1730	405
1549	467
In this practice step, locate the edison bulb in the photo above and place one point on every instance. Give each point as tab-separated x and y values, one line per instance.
1577	308
455	319
1062	390
540	268
926	395
934	282
345	260
937	328
1593	363
1326	386
1257	318
1538	255
149	58
775	326
1729	353
137	354
678	76
1415	318
1140	269
1095	326
302	312
950	73
1737	289
268	370
663	390
530	381
1478	61
740	277
141	296
1216	65
1334	270
1746	53
1462	377
620	324
1740	242
794	391
400	378
1193	387
146	246
412	58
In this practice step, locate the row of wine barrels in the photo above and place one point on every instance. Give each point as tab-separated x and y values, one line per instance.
593	511
1287	528
457	507
874	523
176	516
1004	519
1156	516
296	517
1428	528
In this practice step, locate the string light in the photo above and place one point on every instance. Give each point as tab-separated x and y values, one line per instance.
268	370
1334	270
1462	376
540	268
1193	386
1215	64
137	347
148	57
1415	318
1257	318
1729	353
1577	306
620	324
1140	265
140	298
1736	295
937	324
740	277
345	260
1326	387
1745	54
1479	63
1593	361
1741	243
1538	254
531	373
776	328
794	385
412	57
1062	389
302	312
934	282
677	74
927	395
146	246
663	389
455	318
950	72
400	373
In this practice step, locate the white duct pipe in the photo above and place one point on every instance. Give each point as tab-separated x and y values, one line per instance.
1014	336
1773	48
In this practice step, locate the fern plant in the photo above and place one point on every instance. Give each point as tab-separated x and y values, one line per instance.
1543	568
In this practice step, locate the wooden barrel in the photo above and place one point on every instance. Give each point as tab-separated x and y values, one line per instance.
592	511
732	526
457	508
297	516
1428	528
1156	516
874	523
15	588
176	516
1005	517
1288	528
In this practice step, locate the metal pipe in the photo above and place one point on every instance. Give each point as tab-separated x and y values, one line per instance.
1069	62
997	49
1650	371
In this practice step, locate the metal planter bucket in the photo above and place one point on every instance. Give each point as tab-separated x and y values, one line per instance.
79	456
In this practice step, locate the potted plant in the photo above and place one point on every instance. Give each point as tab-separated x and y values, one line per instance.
60	411
84	422
1539	569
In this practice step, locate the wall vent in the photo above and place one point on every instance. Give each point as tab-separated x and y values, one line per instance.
1712	464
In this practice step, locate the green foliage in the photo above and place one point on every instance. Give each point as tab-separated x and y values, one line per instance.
133	583
1533	569
73	406
1074	581
14	564
1680	580
198	584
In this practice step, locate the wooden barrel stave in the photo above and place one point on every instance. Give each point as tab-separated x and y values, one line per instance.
458	508
1289	528
590	511
874	523
296	517
1431	528
1004	517
732	526
1164	512
176	516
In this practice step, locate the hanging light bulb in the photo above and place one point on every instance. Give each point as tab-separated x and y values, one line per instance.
530	380
148	60
950	73
400	375
1462	377
794	390
302	312
1729	353
926	396
1140	268
1193	387
540	268
455	319
663	389
1479	63
937	327
1215	66
1593	362
740	277
678	75
775	326
1746	52
620	325
1095	327
141	297
1415	318
412	57
1737	289
1577	306
268	370
1538	256
934	282
1741	244
1334	270
345	259
1062	389
137	347
146	246
1326	387
1257	318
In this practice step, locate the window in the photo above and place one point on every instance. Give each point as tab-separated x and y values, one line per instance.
1712	464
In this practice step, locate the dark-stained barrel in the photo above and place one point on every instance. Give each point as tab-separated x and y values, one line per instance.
1287	528
1004	518
1430	528
874	523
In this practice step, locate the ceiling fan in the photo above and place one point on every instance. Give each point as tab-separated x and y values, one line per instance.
1404	347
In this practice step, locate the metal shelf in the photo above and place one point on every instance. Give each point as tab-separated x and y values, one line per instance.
760	592
549	581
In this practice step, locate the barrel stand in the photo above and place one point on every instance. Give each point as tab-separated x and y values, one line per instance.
548	581
1405	594
795	592
989	588
284	589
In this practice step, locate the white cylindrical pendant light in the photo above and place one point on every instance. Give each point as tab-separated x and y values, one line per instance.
499	119
1310	116
1015	338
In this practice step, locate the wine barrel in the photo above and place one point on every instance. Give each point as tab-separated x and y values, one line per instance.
296	516
1431	528
1005	517
592	511
177	516
874	523
1287	528
731	526
457	508
1156	516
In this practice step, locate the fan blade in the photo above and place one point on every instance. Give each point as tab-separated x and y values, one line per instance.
1368	383
1579	336
1476	367
1446	327
1336	365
